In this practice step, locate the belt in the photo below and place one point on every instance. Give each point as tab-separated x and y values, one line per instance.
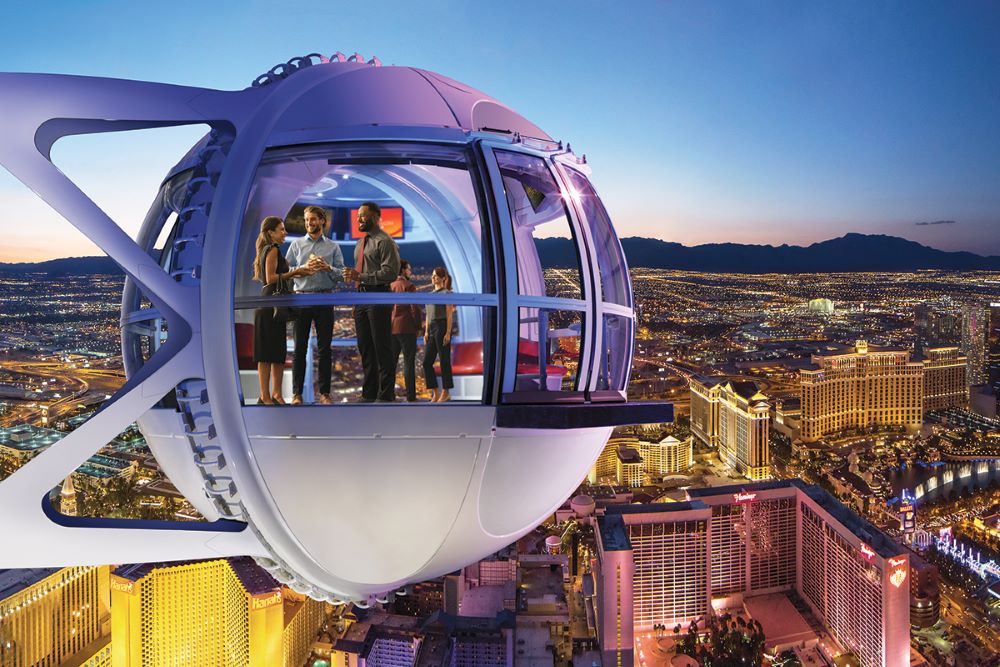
373	288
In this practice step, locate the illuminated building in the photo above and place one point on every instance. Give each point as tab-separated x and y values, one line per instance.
605	468
821	306
388	640
669	456
735	416
665	563
476	642
975	337
653	567
19	444
67	498
925	593
907	514
216	612
303	617
860	389
384	640
629	470
936	328
945	383
52	616
705	409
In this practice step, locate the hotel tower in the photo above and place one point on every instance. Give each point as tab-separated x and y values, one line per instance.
861	388
671	563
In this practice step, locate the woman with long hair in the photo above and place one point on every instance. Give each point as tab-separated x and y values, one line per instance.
437	338
269	339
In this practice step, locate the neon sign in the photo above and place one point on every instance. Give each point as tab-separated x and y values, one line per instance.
867	551
896	562
744	497
898	577
264	603
123	586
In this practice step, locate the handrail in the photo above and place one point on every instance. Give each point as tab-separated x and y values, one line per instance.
356	298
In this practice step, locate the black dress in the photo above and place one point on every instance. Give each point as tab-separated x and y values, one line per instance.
269	340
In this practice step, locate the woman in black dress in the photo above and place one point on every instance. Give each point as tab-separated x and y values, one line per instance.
269	338
437	339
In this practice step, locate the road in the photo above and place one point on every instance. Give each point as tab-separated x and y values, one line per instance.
88	386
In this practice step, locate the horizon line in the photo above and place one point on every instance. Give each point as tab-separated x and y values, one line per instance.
625	238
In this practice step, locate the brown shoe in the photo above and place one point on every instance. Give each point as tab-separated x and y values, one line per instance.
297	399
325	399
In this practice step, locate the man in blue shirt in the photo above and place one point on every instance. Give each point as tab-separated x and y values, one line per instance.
318	252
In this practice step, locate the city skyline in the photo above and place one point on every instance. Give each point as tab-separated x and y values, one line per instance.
786	125
736	409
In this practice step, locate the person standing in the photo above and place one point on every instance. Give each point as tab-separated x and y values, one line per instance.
269	342
316	251
405	327
437	338
376	266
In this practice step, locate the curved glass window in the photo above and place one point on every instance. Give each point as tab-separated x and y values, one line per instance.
610	260
144	330
548	263
331	329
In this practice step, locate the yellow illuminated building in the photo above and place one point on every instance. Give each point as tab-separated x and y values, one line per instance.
705	409
669	456
630	469
735	417
860	389
217	613
945	384
51	617
303	619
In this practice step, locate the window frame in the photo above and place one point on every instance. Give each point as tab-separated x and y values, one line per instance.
488	300
514	300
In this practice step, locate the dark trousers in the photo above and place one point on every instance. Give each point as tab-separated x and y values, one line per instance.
323	317
435	346
373	326
407	344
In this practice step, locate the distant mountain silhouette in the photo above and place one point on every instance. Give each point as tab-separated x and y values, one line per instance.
851	252
67	266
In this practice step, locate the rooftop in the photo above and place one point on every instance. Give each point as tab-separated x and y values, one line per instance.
862	529
614	534
628	455
15	581
254	578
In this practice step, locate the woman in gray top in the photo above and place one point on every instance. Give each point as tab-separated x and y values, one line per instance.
437	339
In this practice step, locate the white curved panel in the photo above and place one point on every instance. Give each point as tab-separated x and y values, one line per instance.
371	510
530	473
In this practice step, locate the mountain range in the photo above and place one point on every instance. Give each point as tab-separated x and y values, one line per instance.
851	252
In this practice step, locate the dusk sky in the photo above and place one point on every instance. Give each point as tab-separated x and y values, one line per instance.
754	122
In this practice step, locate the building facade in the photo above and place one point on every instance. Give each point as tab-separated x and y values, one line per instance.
735	417
705	408
667	563
945	379
975	336
669	456
50	616
226	612
659	458
630	469
860	389
653	568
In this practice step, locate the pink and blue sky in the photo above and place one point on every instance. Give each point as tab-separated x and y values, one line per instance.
777	122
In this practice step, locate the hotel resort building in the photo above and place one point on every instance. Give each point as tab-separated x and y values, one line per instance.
740	548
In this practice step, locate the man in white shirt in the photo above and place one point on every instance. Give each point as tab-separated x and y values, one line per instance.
316	251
